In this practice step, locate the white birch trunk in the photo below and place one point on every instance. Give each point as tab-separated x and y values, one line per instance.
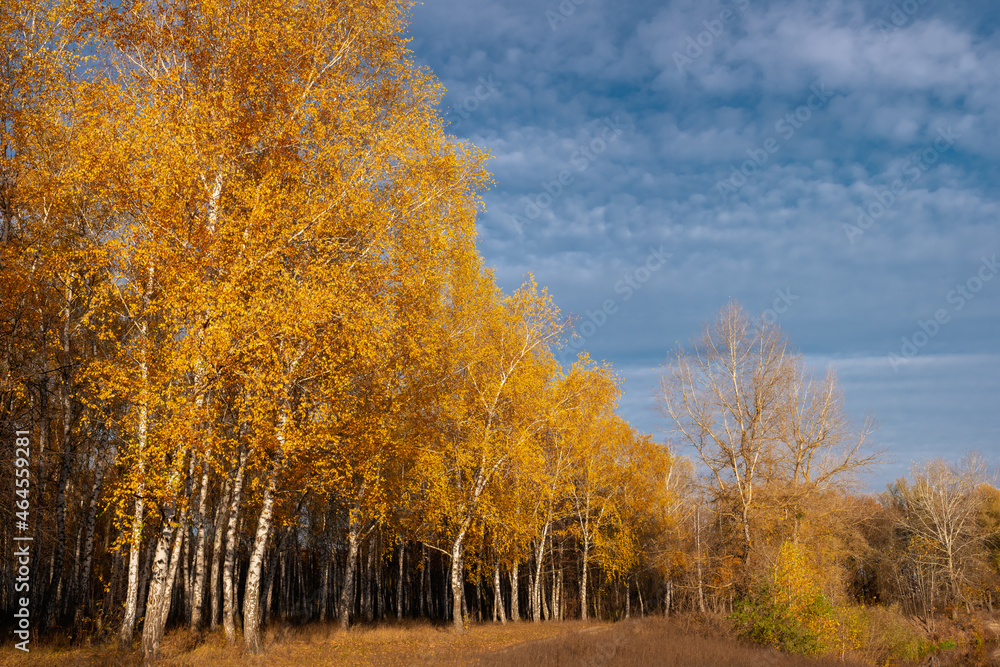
515	613
135	542
457	579
151	632
180	539
228	590
536	592
251	593
162	587
88	547
559	595
498	610
198	596
142	428
220	518
165	565
347	590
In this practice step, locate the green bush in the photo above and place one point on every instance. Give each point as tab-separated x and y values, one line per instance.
789	610
804	629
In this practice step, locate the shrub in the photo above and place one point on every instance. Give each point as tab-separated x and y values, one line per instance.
790	611
887	635
793	628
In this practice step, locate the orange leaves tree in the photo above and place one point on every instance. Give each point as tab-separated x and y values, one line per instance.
241	252
281	176
495	379
617	480
594	435
49	256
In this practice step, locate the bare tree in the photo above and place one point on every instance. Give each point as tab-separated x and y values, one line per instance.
724	397
820	443
757	418
820	447
939	512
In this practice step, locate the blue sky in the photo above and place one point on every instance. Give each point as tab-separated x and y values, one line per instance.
835	165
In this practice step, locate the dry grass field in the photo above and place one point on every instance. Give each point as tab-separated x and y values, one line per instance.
648	642
654	641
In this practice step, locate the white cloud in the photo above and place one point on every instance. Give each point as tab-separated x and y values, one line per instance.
784	228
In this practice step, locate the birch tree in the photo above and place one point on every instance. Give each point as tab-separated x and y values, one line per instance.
940	511
758	421
498	375
724	398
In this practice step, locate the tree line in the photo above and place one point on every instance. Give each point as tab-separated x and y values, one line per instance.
267	376
263	366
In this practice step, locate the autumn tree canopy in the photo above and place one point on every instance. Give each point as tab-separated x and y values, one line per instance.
245	309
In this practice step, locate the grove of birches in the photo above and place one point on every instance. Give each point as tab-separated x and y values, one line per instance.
268	378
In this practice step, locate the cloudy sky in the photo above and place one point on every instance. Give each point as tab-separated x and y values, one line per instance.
835	165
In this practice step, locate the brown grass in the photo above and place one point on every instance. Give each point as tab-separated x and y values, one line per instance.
401	644
685	641
682	643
